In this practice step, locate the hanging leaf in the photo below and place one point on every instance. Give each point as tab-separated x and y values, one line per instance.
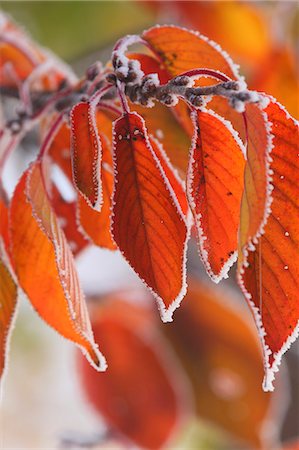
217	345
66	215
44	264
268	271
171	174
8	291
214	186
147	223
86	153
94	224
256	199
144	394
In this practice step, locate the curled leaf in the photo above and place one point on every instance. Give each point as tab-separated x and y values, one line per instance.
44	264
86	153
96	224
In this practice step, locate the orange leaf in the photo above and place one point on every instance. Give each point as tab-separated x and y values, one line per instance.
147	223
8	290
256	197
143	395
44	264
238	26
171	174
218	348
214	186
162	124
8	301
181	50
162	121
278	76
86	153
60	149
269	271
66	215
96	225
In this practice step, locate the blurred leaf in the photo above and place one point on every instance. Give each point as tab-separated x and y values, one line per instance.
278	76
221	355
44	264
239	27
143	395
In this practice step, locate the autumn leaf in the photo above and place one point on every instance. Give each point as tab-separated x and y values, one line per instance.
164	122
60	149
147	223
268	270
218	348
44	264
278	76
214	187
181	50
171	174
144	394
94	224
65	212
256	199
239	26
8	290
86	153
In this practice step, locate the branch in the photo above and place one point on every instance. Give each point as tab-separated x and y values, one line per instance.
145	89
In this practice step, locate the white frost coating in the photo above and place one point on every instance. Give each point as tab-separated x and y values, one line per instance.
242	85
264	101
165	313
96	164
233	66
119	54
269	370
239	106
197	217
67	275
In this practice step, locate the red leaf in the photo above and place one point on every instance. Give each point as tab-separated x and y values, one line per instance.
181	50
86	153
8	301
8	290
256	198
94	224
268	272
148	226
59	149
44	264
216	343
143	395
215	185
66	215
171	174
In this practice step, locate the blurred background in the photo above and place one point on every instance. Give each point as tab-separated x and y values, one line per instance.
46	402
